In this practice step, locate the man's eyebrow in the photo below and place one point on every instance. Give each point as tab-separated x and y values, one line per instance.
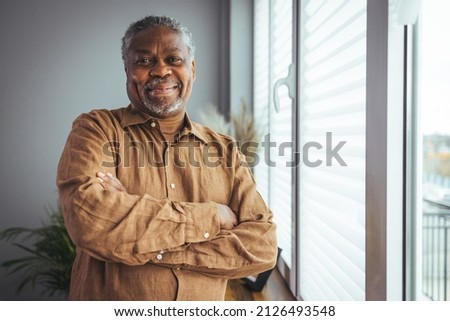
143	51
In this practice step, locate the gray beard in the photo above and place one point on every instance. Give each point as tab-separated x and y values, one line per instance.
161	109
158	107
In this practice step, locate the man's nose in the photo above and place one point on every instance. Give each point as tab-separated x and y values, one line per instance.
160	69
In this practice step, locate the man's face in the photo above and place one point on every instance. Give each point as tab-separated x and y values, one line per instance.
160	72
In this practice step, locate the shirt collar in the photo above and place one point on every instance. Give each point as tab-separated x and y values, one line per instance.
131	116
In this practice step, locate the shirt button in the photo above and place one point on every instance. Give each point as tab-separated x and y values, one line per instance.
153	124
172	186
159	257
206	235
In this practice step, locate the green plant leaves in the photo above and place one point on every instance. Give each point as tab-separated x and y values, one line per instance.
49	255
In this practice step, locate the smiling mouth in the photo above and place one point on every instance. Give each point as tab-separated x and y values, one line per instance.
162	90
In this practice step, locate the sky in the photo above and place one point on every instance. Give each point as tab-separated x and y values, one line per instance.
434	60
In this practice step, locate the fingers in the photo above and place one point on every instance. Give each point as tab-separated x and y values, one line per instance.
110	183
232	216
228	219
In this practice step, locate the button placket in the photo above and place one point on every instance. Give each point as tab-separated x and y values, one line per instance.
171	185
166	169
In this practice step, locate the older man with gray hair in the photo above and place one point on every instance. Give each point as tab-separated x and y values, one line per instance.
149	223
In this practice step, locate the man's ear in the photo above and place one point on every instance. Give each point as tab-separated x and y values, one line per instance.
193	69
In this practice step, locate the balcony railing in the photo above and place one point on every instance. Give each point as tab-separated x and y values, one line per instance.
436	253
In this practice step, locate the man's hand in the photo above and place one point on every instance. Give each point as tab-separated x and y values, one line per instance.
228	220
110	183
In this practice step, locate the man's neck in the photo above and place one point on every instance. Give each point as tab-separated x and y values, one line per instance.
170	126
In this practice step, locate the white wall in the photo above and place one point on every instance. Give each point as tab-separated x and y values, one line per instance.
60	58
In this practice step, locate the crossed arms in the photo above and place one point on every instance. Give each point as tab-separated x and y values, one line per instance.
111	224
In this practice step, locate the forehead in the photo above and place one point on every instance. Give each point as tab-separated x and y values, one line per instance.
157	39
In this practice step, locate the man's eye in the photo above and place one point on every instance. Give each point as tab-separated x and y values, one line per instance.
174	60
143	61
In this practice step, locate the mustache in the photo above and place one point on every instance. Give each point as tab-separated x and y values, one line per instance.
159	81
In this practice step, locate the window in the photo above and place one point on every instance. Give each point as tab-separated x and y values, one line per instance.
360	76
431	155
319	210
332	111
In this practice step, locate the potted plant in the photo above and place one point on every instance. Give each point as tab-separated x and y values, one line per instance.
49	255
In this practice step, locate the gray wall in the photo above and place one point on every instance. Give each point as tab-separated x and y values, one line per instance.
241	54
62	58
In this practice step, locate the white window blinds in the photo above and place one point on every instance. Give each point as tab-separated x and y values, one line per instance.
332	198
273	56
261	89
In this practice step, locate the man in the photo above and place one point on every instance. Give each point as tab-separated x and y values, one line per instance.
159	207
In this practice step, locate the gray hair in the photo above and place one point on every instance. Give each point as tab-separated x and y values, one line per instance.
157	21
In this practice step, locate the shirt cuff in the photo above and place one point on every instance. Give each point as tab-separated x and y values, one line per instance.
202	221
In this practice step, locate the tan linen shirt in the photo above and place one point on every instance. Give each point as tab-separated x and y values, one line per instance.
160	240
